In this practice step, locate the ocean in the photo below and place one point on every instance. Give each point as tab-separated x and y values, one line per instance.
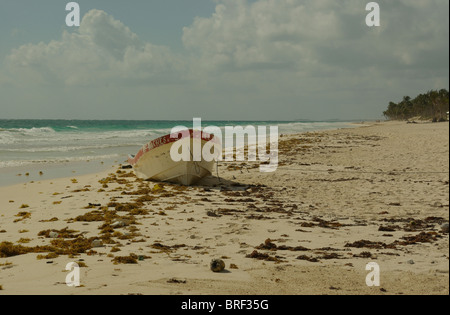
64	147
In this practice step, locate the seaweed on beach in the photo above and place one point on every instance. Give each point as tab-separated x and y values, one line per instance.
166	248
123	174
8	249
388	228
48	256
80	245
308	258
223	211
129	206
363	255
258	217
423	237
370	244
327	224
262	256
269	245
145	198
22	215
130	259
96	216
330	256
64	233
413	225
60	247
54	219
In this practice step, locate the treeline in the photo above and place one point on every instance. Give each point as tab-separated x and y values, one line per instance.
432	105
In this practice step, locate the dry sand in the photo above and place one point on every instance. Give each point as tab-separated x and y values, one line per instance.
339	200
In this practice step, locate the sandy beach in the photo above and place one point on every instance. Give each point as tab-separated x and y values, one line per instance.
339	200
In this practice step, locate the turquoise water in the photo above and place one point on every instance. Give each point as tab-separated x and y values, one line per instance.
62	143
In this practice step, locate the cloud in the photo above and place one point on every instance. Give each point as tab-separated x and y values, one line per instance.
318	35
309	38
102	51
281	58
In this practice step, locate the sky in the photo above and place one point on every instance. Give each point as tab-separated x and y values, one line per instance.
218	59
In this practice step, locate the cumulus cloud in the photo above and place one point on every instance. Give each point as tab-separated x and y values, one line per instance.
103	50
318	35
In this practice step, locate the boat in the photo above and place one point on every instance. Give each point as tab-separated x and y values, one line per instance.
154	161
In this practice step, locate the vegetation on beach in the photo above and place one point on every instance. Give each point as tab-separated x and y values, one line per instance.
432	105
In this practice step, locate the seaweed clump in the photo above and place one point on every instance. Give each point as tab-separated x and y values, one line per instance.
64	233
262	256
269	245
130	259
8	249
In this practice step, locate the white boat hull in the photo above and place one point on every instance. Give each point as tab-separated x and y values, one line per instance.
154	162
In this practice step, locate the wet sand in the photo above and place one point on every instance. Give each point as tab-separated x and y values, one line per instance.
338	201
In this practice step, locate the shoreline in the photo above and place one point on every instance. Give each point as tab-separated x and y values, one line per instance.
339	200
50	171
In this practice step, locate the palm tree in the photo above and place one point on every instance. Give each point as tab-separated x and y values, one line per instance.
434	104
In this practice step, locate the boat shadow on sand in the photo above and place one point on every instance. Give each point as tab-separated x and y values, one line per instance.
213	183
217	183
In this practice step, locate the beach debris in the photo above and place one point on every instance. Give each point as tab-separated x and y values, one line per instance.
166	248
24	241
176	281
22	215
411	262
119	224
93	216
58	246
269	245
217	265
48	256
54	219
212	213
423	237
331	256
64	233
96	243
369	244
335	288
262	256
387	228
444	228
307	258
8	249
364	255
53	234
131	259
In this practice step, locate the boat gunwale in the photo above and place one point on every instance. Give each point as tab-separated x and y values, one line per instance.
170	138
